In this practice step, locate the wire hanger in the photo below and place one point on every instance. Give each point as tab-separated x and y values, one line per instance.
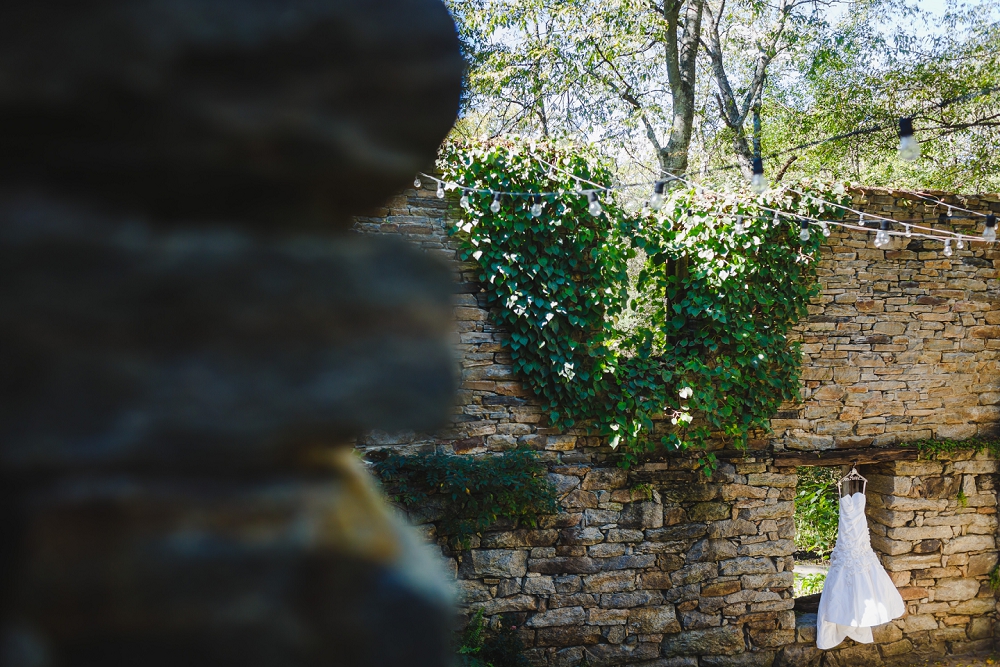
855	482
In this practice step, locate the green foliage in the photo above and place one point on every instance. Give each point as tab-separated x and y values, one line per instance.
477	492
994	578
816	509
644	490
931	449
962	499
808	584
710	352
484	648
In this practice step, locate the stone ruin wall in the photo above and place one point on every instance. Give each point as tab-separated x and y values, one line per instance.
900	345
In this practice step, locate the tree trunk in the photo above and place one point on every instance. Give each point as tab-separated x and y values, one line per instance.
682	54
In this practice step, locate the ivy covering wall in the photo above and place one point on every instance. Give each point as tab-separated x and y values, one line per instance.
706	351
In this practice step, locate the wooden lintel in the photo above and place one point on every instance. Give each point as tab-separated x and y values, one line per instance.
841	457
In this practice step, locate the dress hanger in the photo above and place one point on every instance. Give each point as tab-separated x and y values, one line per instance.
855	482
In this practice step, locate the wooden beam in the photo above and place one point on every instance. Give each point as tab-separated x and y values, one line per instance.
841	457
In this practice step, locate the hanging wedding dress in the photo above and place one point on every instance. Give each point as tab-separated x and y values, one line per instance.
858	592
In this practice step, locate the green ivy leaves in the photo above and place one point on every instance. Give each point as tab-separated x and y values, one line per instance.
707	354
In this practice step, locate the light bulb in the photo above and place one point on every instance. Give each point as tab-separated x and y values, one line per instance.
536	206
440	190
909	232
909	147
804	232
826	229
595	206
739	224
758	182
495	206
416	182
960	244
464	201
882	238
947	248
990	231
656	199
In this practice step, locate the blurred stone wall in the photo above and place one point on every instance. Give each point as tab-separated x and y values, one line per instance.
659	566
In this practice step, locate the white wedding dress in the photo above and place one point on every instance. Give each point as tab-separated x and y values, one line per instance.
858	592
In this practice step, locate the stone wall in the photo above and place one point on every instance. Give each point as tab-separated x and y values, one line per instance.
903	342
658	565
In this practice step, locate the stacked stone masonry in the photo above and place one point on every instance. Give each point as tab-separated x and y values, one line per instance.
661	567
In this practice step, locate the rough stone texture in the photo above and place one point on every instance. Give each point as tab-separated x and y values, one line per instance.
192	336
701	567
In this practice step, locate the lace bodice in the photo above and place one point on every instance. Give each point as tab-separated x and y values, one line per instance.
854	548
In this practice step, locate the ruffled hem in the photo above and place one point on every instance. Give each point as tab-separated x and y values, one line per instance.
858	599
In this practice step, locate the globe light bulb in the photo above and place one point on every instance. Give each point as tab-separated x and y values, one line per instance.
947	248
909	232
960	244
758	182
882	237
440	191
464	201
990	231
495	206
909	147
595	206
739	224
536	206
826	229
416	182
656	199
804	232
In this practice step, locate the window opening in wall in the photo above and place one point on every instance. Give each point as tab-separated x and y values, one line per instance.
816	516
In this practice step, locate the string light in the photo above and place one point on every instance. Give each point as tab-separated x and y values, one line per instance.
738	228
804	231
908	232
495	206
464	201
882	237
656	199
595	206
416	182
909	147
536	206
440	190
825	228
947	247
990	231
758	181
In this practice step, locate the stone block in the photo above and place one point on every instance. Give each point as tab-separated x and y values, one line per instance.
890	518
599	616
712	550
956	589
563	483
653	620
776	511
624	535
695	573
605	479
917	622
514	603
682	531
799	656
609	582
720	588
921	533
656	580
501	563
910	562
731	528
967	543
726	640
710	511
613	655
696	620
981	564
554	617
772	480
568	635
746	565
642	515
748	659
539	585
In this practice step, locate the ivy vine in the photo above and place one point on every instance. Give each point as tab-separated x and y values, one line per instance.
699	350
477	491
